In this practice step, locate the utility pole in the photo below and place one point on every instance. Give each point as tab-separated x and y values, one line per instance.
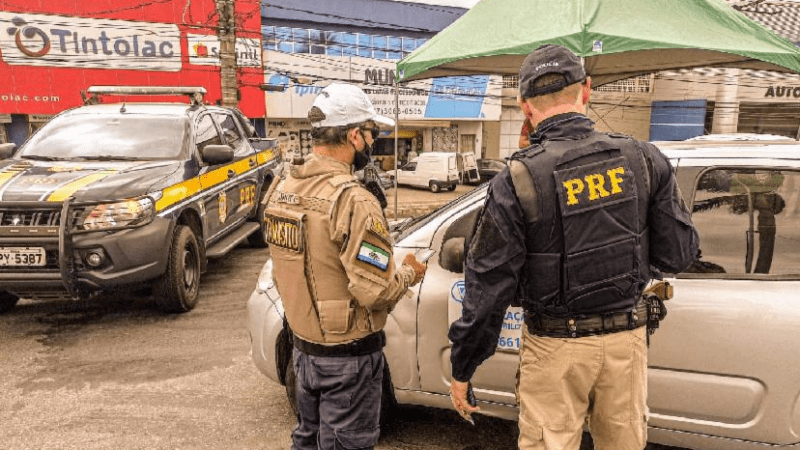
227	52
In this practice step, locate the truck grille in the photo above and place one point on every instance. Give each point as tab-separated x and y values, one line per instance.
30	218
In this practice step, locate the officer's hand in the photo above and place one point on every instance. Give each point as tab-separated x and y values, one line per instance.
419	268
458	395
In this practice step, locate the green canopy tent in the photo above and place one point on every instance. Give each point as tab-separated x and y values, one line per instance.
617	38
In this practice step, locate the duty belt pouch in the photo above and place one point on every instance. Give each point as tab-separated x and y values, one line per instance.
336	316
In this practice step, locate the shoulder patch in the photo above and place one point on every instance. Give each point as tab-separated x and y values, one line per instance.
376	227
373	255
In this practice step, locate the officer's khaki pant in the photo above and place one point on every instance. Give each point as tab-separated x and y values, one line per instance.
565	382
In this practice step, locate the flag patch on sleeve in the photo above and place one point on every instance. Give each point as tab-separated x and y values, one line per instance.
374	256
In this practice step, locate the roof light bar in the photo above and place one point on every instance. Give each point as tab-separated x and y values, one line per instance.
195	93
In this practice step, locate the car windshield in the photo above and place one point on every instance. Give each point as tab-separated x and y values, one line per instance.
109	137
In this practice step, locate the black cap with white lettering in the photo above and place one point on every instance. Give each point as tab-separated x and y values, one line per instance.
549	59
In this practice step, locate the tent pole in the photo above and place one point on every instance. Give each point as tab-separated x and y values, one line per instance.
396	132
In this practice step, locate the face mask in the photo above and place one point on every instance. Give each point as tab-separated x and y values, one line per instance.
362	158
371	180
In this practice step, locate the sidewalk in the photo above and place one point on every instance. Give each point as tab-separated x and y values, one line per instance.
412	202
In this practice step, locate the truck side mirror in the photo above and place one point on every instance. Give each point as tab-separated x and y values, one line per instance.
7	150
217	154
452	256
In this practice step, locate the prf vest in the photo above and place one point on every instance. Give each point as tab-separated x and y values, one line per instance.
586	231
306	265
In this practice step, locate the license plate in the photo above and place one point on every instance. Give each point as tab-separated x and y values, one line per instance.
22	256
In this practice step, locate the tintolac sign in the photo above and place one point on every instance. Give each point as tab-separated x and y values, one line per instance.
57	41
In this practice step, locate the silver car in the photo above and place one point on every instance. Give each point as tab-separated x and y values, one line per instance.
724	371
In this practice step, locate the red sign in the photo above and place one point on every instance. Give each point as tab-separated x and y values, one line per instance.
51	51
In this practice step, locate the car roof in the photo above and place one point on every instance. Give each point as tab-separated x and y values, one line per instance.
788	150
170	109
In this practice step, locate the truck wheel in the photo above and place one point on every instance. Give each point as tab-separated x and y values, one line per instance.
435	186
7	301
259	238
177	290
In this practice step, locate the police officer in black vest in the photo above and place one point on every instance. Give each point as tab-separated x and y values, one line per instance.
570	231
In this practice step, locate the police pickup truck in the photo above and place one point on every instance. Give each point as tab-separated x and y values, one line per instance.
111	196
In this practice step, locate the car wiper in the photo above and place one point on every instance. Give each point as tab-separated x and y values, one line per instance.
41	158
108	158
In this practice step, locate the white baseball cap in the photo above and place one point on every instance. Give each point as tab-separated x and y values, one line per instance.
345	104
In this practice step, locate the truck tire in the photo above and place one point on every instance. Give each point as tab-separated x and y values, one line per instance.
435	186
7	301
177	290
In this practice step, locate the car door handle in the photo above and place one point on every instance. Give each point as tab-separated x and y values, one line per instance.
231	173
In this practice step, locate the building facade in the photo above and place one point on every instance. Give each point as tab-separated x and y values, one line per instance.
309	44
51	52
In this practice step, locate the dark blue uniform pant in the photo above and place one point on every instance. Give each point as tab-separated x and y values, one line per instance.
338	401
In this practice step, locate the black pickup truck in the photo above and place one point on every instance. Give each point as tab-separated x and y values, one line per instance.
128	195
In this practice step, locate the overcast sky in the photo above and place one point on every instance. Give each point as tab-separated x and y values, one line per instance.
459	3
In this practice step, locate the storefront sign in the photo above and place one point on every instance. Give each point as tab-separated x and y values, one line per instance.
204	50
57	41
468	98
782	92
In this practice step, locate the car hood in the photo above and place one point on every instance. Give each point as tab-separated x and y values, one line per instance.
24	180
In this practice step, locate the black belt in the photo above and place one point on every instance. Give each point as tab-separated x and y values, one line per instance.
364	346
582	326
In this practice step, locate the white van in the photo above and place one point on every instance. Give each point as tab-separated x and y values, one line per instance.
432	170
468	169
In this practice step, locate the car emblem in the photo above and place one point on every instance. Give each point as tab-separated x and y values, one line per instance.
16	220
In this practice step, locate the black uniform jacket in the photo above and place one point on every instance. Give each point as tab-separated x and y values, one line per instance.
673	246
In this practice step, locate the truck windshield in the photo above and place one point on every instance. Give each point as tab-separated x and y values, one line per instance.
123	136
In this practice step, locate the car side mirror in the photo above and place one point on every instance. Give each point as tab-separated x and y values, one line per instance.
217	154
452	255
7	150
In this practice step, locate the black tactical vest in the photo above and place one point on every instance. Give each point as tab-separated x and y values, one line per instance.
587	241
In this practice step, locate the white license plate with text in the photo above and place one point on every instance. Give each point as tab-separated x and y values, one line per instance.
22	256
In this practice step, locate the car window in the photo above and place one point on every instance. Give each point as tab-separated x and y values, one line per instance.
410	166
748	221
230	131
206	133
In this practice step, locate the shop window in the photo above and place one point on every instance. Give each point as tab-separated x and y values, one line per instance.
270	40
350	44
781	119
748	221
333	42
379	44
395	47
283	36
365	46
301	40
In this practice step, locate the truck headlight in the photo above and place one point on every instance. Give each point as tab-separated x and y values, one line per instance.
132	212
